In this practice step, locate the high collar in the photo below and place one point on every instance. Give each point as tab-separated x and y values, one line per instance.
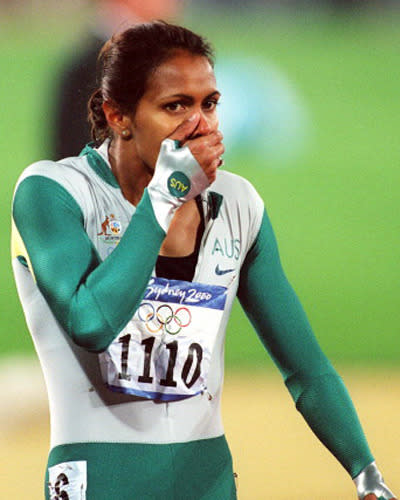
98	160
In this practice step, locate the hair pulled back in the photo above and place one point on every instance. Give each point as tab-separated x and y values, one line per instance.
128	59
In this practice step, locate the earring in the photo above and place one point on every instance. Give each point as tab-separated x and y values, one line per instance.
126	134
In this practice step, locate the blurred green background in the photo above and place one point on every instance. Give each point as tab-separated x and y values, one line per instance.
334	205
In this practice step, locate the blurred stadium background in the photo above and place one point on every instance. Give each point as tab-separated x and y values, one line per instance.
311	113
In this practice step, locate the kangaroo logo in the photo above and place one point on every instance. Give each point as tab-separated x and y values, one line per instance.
110	224
105	225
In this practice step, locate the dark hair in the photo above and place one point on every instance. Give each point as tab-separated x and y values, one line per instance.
128	59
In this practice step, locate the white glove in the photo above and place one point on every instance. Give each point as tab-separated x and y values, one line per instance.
369	481
177	178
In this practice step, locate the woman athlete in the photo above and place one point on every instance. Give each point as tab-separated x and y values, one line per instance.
127	289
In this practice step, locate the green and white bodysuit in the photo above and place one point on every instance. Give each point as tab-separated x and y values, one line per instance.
133	354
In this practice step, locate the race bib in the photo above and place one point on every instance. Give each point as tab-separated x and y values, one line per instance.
164	352
68	480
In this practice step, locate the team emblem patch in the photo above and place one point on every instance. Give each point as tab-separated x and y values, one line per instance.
110	234
178	184
110	227
110	223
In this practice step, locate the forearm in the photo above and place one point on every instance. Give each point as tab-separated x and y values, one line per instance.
283	327
92	300
326	406
107	300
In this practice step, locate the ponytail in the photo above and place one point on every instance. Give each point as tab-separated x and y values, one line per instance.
99	128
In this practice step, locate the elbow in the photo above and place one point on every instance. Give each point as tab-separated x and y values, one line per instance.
95	342
91	332
300	386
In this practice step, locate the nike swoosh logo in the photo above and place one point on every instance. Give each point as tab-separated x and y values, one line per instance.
220	272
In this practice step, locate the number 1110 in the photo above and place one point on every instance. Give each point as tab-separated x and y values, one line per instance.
194	349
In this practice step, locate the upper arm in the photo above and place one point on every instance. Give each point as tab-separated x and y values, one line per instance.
275	310
50	224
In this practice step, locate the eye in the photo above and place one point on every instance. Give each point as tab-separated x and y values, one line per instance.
175	106
210	104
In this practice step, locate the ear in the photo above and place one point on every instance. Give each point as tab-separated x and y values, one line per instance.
119	123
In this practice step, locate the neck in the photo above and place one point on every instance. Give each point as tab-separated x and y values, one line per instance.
132	175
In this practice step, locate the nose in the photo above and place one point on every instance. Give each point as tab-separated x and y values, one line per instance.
205	125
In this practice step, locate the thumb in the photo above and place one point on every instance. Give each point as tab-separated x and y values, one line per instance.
185	129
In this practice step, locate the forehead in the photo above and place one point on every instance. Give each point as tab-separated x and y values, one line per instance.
183	73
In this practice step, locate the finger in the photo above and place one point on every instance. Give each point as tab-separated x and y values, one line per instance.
211	170
185	129
211	176
220	149
206	154
215	155
210	139
215	137
204	140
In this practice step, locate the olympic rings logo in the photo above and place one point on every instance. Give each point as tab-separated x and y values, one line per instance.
164	318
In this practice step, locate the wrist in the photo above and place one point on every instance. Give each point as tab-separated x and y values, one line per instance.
370	480
177	178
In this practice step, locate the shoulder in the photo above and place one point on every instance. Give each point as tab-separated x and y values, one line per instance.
230	184
70	174
240	203
56	170
238	191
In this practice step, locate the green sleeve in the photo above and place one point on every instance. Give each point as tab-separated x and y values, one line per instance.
92	300
280	321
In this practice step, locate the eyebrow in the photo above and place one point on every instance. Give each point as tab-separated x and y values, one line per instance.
189	97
